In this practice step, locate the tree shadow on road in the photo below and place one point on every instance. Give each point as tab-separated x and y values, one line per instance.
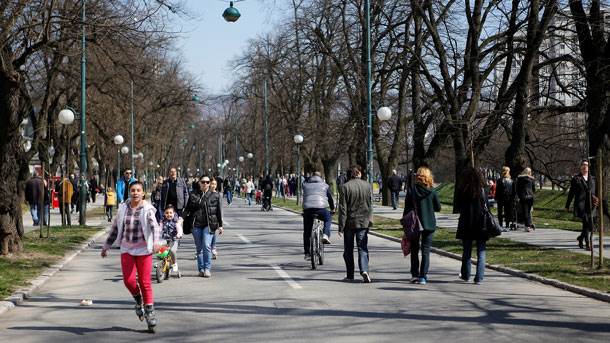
76	330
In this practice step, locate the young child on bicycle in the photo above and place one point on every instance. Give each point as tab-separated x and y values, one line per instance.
171	225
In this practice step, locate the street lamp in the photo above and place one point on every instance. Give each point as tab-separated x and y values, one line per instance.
241	160
231	14
66	117
298	139
250	156
118	140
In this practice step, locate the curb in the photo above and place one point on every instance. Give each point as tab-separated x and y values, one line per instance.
588	292
24	293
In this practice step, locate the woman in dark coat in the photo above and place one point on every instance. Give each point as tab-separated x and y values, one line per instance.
524	190
206	206
470	199
427	203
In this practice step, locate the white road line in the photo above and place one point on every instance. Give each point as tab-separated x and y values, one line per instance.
286	277
244	239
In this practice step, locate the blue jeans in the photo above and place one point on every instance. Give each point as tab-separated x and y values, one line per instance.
47	214
323	214
417	270
249	198
229	197
213	243
203	243
34	213
362	241
395	198
466	255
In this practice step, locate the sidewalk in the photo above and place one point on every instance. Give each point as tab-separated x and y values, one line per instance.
548	238
92	220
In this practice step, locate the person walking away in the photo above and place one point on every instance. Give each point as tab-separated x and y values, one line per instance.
174	191
65	192
34	196
471	199
524	190
206	207
93	187
583	192
122	185
395	185
316	198
355	219
425	199
504	198
267	189
46	218
228	189
74	201
171	228
156	197
109	202
136	231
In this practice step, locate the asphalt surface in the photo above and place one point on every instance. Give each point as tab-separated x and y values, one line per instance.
262	290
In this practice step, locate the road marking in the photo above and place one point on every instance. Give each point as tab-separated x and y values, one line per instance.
244	239
286	277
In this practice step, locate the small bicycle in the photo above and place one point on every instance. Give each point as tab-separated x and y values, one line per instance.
164	267
316	246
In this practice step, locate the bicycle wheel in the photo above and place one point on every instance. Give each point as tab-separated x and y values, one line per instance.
313	247
167	266
158	274
320	245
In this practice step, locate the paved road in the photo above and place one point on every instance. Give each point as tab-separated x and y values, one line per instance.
262	290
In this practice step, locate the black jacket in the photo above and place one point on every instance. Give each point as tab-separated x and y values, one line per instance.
470	224
579	189
208	211
525	188
504	190
394	183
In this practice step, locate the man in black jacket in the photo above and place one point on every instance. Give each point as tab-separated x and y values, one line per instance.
395	184
34	195
582	191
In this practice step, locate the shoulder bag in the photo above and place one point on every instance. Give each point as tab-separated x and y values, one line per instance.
491	226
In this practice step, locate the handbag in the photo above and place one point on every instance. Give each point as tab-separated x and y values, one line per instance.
410	221
405	245
491	226
189	220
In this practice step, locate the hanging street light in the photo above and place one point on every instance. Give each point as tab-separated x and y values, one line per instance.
231	14
298	139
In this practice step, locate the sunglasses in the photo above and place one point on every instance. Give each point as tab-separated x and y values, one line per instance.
127	173
204	181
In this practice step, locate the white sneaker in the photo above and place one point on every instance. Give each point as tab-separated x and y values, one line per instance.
207	273
325	239
366	278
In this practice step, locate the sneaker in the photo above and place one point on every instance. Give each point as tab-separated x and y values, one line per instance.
465	279
348	279
325	239
366	278
201	273
422	281
414	279
207	273
307	257
214	254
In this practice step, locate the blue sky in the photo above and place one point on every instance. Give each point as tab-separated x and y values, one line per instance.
209	43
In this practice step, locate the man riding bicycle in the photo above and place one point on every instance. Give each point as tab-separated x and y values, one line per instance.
316	198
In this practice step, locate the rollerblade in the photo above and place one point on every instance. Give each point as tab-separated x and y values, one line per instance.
151	320
138	307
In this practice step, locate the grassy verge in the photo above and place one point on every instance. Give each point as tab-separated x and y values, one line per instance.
39	253
566	266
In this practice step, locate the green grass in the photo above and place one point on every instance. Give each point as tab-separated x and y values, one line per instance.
39	253
566	266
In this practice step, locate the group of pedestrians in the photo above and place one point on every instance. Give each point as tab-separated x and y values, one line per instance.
141	228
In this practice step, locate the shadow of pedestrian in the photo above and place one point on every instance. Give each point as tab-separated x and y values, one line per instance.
76	330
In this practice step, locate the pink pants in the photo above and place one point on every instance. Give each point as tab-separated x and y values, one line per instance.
143	265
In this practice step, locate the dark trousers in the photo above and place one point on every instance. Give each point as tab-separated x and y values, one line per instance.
417	269
526	208
109	212
587	227
395	198
64	210
362	241
308	214
505	212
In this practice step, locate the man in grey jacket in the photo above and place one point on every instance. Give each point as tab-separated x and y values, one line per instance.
175	192
355	219
316	198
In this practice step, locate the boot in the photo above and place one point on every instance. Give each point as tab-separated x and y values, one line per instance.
138	306
580	245
151	320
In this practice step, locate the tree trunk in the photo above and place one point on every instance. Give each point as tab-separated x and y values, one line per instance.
11	225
